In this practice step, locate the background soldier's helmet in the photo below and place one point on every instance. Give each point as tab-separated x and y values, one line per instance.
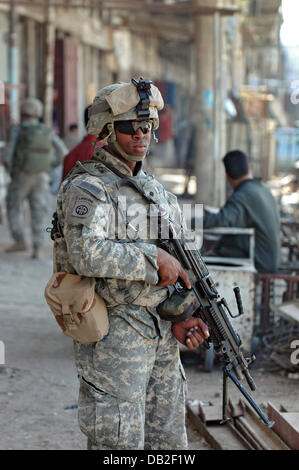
32	107
120	102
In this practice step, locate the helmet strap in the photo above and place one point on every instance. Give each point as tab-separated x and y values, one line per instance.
111	137
110	140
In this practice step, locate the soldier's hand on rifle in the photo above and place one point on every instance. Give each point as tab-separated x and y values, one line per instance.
170	269
192	332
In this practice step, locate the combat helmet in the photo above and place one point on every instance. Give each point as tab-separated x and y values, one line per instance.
32	107
124	102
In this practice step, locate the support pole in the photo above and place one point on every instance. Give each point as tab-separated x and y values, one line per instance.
210	118
204	158
49	63
13	65
217	82
31	58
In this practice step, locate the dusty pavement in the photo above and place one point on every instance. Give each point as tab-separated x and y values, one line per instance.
38	384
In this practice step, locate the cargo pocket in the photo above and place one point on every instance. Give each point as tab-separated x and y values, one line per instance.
99	417
86	412
107	422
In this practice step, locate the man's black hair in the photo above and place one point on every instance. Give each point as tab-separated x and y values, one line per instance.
86	118
236	164
73	127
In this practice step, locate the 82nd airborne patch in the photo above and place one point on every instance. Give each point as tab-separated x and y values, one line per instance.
82	207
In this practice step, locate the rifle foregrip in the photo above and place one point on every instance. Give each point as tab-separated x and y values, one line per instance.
239	300
250	380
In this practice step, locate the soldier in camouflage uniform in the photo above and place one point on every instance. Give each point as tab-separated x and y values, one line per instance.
132	383
31	184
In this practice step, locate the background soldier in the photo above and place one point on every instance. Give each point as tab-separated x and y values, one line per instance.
30	158
131	382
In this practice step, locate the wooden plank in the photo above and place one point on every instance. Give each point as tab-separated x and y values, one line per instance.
256	433
236	410
200	426
246	433
210	413
264	435
293	419
240	436
226	437
286	426
219	436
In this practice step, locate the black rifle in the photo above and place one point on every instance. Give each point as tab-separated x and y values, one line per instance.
213	311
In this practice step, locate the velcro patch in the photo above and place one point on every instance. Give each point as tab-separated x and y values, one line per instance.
82	207
92	189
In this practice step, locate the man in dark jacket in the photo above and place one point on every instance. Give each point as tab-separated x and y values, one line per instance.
251	205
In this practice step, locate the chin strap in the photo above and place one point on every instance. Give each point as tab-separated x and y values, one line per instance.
111	137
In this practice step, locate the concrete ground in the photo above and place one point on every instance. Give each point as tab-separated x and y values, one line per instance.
38	384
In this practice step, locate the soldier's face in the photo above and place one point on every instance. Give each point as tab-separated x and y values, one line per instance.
134	144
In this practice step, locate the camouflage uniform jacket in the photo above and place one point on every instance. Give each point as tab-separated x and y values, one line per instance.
126	269
60	150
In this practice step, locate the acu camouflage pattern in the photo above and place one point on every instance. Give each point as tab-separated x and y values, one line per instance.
138	399
117	102
34	188
31	186
126	268
137	364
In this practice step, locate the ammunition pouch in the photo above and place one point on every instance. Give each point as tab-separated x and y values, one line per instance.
78	310
179	306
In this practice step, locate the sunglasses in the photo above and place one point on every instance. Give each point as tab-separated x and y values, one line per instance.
131	127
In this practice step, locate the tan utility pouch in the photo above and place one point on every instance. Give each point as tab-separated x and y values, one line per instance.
78	310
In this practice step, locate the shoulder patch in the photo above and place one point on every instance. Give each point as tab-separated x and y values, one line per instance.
82	207
97	192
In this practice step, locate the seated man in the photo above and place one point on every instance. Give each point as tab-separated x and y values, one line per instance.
251	205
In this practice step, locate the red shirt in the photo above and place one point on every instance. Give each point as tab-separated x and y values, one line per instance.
165	126
82	152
